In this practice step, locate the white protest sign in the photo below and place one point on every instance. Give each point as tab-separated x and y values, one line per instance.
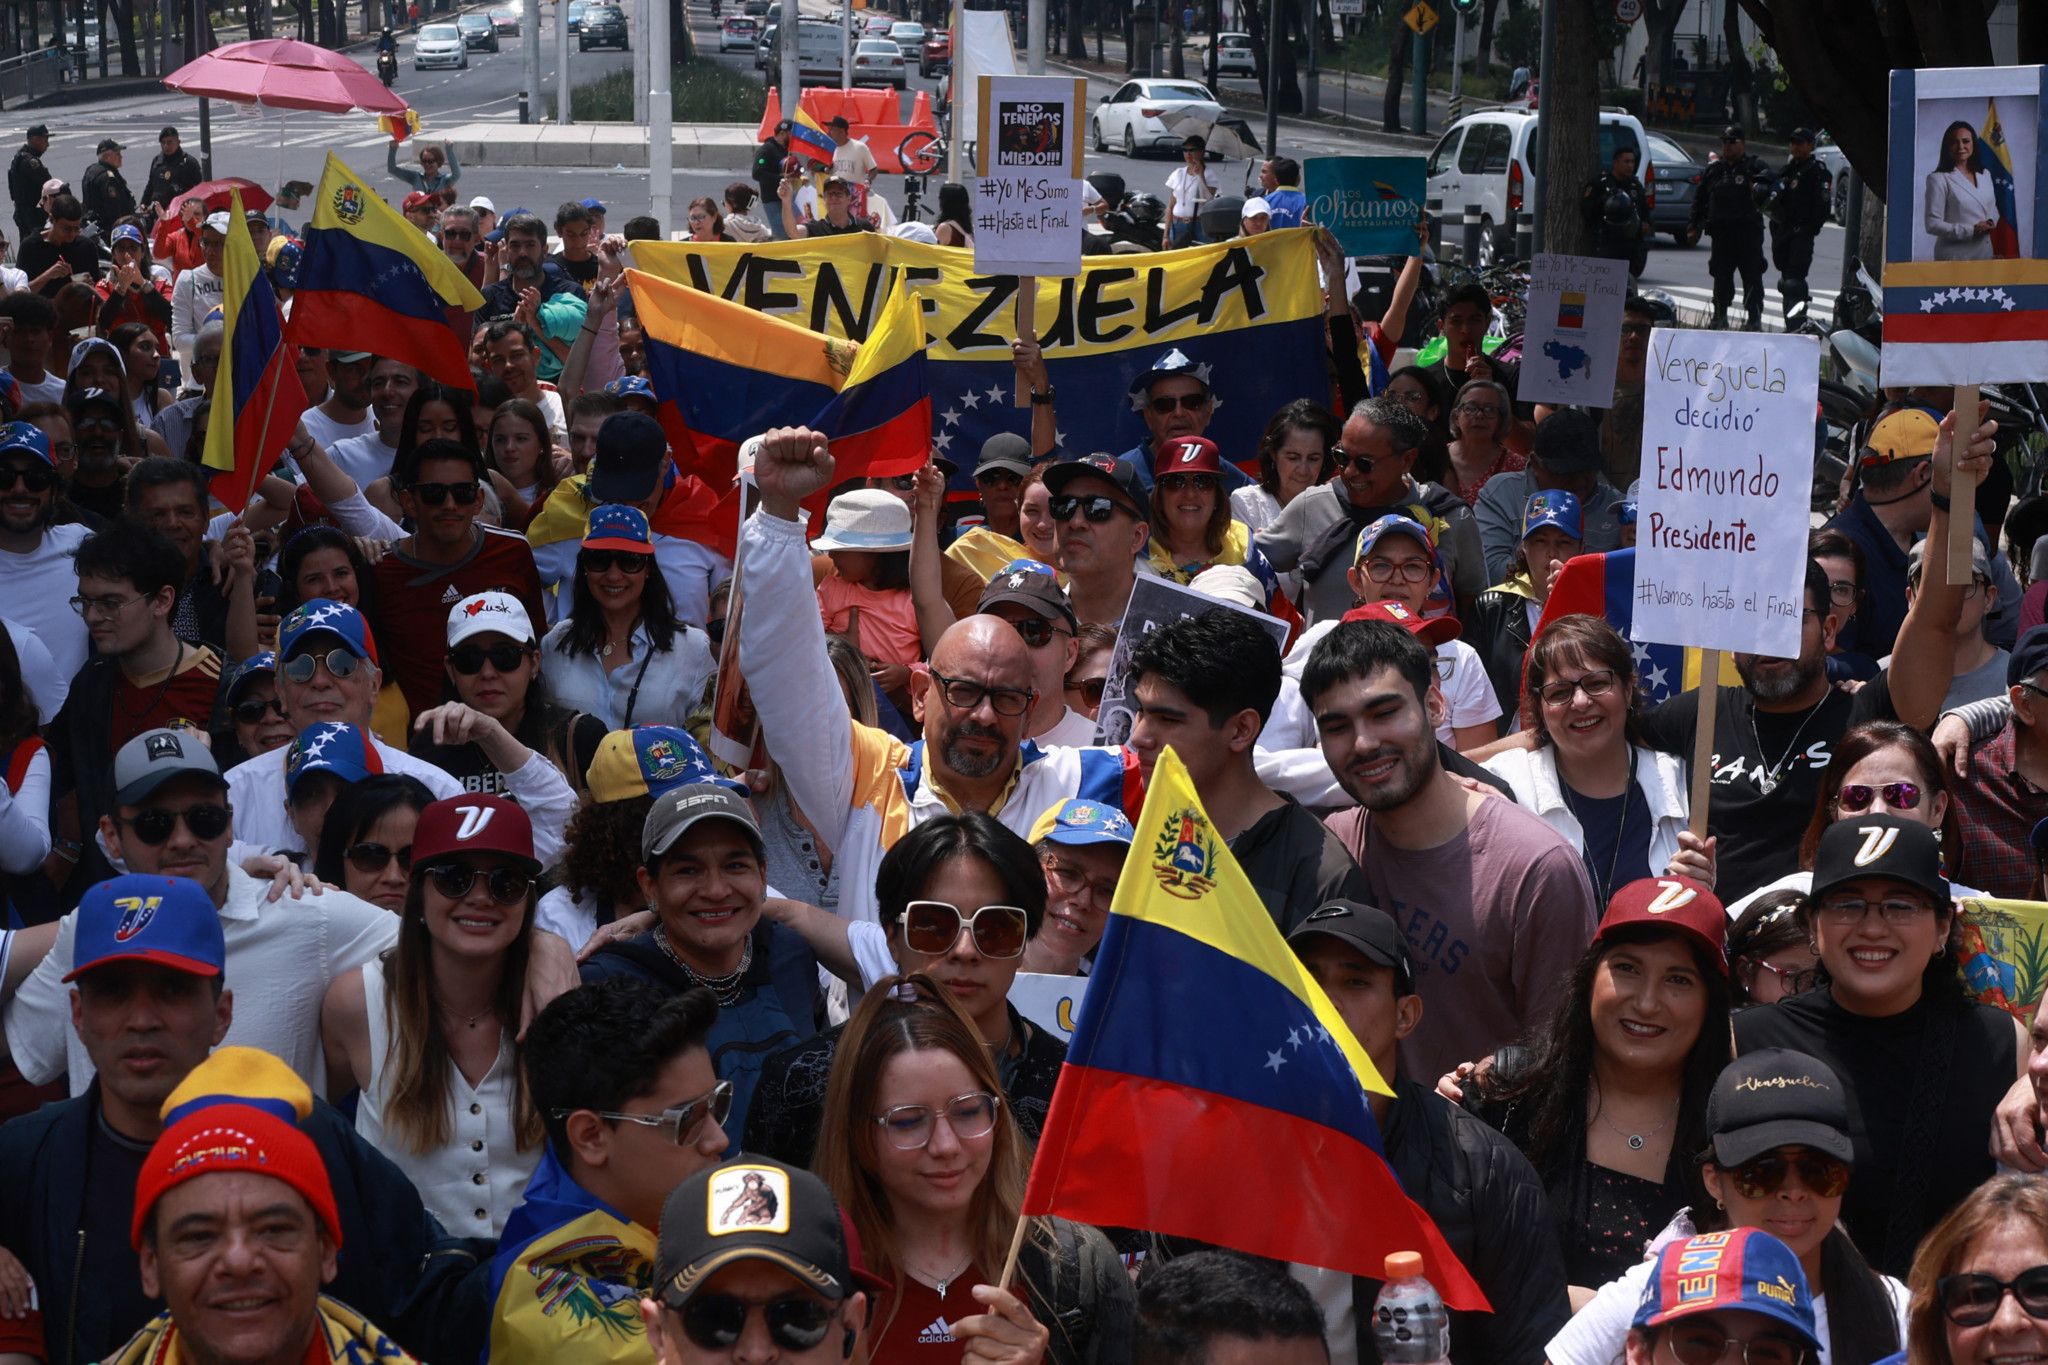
1572	333
1723	510
1027	187
1051	1002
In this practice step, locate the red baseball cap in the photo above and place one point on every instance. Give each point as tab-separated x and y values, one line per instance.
420	199
1190	455
1676	903
1431	630
474	824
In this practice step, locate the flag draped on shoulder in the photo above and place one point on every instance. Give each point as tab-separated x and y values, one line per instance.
258	399
370	280
1604	585
880	423
1200	1023
568	1276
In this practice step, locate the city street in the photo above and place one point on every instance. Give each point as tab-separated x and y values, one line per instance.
270	148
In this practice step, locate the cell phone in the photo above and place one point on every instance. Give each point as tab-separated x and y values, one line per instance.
269	586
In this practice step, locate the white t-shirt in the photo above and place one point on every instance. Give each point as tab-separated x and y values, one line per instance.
37	588
1074	730
330	432
1469	697
365	459
854	161
48	389
39	674
256	791
1189	193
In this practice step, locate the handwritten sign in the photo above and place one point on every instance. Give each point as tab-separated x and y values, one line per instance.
1572	336
1726	488
1051	1002
1372	204
1027	187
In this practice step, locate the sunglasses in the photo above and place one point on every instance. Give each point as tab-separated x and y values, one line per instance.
1096	509
34	479
683	1121
1707	1344
796	1322
933	927
506	885
1187	402
1824	1175
371	858
1037	632
207	821
435	494
457	234
625	561
1972	1300
1635	329
251	711
340	665
1179	483
469	660
998	478
1344	459
1090	689
1857	796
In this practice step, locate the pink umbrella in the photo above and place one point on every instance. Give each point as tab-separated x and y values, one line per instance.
283	73
216	195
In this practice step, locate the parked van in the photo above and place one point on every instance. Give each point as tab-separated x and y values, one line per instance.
817	50
1488	159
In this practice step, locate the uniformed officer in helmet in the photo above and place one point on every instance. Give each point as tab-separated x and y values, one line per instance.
1729	207
1616	210
1799	206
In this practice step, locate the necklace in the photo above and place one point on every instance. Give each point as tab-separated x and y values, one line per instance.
726	988
944	1282
1768	783
469	1020
1601	885
1636	1141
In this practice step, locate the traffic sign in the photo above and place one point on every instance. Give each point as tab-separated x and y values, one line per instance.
1422	18
1628	11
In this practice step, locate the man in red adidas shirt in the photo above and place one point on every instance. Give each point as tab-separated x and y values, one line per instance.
449	557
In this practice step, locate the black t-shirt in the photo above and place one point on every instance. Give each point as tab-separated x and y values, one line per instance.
107	1274
1892	1071
1617	844
566	739
37	255
1767	768
583	271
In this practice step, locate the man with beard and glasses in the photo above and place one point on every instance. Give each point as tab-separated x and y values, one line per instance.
858	786
100	426
536	293
1495	905
37	580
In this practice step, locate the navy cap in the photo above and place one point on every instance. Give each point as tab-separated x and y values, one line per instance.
1175	363
168	921
631	449
1119	472
2029	654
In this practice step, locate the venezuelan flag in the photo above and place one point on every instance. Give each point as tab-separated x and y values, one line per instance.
368	279
1604	585
1996	158
1252	1094
881	421
808	139
257	376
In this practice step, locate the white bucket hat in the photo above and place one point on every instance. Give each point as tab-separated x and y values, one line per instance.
866	519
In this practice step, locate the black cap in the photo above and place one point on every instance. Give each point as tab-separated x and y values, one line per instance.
1775	1097
166	131
631	449
1568	442
1367	928
1733	133
751	1210
838	121
1883	846
2029	656
108	144
38	130
783	127
1119	472
1029	584
1800	135
1005	450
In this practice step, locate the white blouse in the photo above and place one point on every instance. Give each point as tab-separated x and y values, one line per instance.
660	686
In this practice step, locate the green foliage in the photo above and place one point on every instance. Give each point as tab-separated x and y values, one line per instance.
1518	37
704	90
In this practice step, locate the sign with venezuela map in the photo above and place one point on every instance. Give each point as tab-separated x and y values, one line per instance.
1573	334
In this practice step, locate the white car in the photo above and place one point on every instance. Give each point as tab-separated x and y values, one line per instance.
1234	56
440	45
1487	161
1140	115
739	33
908	37
877	61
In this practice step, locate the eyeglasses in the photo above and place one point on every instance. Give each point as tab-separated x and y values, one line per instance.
340	665
1704	1344
32	477
964	694
254	710
625	561
933	927
371	858
683	1121
1187	402
456	234
1598	683
103	607
1180	483
1795	980
208	821
435	494
796	1322
469	660
1097	508
1038	632
1824	1175
1856	796
1072	881
1090	689
908	1127
1476	410
1970	1300
1407	570
1842	591
998	478
506	885
1845	913
1344	459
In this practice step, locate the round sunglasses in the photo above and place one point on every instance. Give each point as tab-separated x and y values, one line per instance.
506	885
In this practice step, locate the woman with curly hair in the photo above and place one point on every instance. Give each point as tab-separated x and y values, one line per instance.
598	877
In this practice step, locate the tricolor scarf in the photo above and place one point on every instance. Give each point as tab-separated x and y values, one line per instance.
343	1337
569	1275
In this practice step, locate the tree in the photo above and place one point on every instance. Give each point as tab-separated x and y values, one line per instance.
1571	95
1660	21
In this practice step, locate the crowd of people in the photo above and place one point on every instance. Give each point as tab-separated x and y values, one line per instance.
447	920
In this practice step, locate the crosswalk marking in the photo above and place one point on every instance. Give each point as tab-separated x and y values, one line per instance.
1696	305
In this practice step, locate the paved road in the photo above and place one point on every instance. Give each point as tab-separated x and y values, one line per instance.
269	149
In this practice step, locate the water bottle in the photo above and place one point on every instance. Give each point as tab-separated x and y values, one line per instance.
1409	1325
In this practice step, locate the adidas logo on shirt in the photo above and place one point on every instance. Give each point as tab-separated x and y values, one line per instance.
450	597
937	1334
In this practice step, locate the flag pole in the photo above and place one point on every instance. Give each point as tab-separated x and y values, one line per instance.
1016	1246
1703	741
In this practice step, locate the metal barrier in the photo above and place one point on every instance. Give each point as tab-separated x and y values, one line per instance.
32	74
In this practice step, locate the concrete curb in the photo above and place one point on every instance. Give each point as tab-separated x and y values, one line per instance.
698	146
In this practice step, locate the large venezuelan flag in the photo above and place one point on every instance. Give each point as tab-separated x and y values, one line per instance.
370	280
1246	1125
257	376
1604	585
806	138
881	421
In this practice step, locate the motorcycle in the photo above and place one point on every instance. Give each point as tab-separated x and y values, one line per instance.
387	66
1131	223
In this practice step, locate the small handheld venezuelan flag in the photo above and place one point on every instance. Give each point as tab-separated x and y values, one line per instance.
806	138
258	376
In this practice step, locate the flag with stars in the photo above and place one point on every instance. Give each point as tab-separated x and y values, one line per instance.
1604	585
1996	159
1274	1150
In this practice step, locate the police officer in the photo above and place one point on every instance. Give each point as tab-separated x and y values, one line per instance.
1798	208
104	191
1616	210
1727	206
25	178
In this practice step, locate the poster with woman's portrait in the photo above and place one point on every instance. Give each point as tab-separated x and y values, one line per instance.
1966	229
